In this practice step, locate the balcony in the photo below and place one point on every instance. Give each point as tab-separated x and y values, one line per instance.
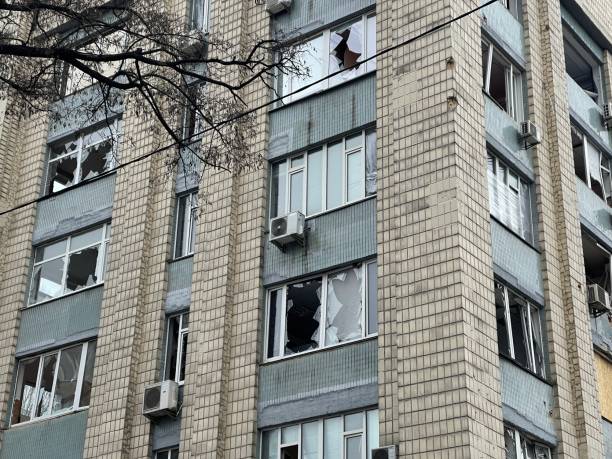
586	110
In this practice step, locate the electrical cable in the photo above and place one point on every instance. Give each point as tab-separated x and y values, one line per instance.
250	111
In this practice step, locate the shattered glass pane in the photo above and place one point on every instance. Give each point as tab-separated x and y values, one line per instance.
26	390
47	280
346	47
344	307
96	159
303	316
62	149
46	385
88	374
82	269
370	163
62	173
67	375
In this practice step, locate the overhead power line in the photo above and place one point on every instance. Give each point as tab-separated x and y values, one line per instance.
250	111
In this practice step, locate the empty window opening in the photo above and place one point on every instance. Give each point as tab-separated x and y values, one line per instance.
185	226
176	348
53	383
519	329
592	166
344	301
596	263
69	265
582	67
502	81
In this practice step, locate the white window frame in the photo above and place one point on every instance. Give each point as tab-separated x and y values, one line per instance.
514	82
189	225
589	146
180	351
286	83
345	434
532	365
100	263
323	321
346	152
519	438
78	388
111	129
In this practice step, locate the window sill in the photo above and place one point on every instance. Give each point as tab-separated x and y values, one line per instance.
320	349
48	418
526	370
65	295
181	258
518	236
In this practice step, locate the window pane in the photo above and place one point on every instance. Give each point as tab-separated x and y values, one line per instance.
290	452
46	385
371	41
269	444
183	356
593	158
310	440
509	443
372	431
26	390
62	173
85	239
353	422
518	325
344	307
88	374
67	148
290	434
372	298
50	251
346	49
278	189
502	327
537	342
313	60
370	163
355	177
497	85
526	221
275	311
303	316
67	375
96	159
296	183
353	447
82	269
172	342
314	197
179	236
174	453
354	142
47	280
332	438
334	174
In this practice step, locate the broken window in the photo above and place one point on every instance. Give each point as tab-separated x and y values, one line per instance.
510	198
172	453
519	330
597	261
329	52
502	81
520	446
82	157
176	347
53	383
186	217
326	177
198	15
583	67
352	436
69	265
592	166
296	311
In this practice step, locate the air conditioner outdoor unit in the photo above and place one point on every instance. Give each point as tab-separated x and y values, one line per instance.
598	299
607	114
530	133
277	6
160	399
386	452
288	229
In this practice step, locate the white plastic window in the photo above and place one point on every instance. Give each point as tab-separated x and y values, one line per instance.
519	446
333	50
502	81
351	436
82	157
69	265
322	311
325	178
176	347
186	217
53	383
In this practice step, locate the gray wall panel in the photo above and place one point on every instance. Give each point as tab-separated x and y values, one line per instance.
74	209
306	16
165	433
322	116
61	321
326	246
58	438
326	381
515	259
526	402
505	28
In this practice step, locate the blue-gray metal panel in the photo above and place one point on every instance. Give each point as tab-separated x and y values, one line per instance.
179	285
503	129
58	438
68	115
504	28
582	34
322	116
61	321
510	158
587	110
607	437
305	16
527	401
323	380
74	209
516	261
594	213
326	245
165	433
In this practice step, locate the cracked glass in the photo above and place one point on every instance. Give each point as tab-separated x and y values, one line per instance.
344	307
303	316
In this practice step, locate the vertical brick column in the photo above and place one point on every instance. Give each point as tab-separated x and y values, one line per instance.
567	319
436	309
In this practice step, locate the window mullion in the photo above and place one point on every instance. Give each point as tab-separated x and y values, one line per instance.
79	385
